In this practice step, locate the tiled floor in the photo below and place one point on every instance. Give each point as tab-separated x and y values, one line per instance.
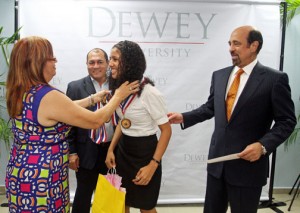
197	208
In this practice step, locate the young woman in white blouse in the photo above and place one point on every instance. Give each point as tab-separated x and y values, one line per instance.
139	151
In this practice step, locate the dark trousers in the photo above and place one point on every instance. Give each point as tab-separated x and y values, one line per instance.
87	181
219	193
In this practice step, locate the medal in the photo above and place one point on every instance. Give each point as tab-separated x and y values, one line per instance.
126	123
104	101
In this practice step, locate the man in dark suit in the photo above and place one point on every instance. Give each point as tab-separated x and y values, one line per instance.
261	118
87	154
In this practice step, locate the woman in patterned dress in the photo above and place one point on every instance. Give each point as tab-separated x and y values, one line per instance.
37	171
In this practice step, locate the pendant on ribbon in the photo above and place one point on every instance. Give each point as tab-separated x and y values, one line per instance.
125	122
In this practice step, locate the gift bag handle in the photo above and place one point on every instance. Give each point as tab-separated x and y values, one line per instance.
112	171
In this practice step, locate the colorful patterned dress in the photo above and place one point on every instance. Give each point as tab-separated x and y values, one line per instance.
37	171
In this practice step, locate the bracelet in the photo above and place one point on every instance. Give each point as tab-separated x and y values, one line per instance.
91	100
156	161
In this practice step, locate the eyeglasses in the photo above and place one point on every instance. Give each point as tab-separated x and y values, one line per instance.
52	59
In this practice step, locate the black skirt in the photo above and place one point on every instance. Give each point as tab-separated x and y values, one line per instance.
132	154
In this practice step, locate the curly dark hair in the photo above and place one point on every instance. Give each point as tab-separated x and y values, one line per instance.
132	64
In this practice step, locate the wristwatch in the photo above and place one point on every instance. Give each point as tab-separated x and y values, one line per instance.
263	150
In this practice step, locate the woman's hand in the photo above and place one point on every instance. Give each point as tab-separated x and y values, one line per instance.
100	96
144	175
126	89
110	160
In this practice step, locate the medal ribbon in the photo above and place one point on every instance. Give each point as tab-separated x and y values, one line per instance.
115	119
114	116
125	104
98	135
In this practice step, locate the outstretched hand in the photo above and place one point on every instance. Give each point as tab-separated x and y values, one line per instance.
101	95
175	117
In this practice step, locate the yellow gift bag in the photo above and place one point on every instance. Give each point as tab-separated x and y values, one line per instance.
107	198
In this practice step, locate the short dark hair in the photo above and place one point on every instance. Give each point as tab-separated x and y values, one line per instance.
96	50
255	35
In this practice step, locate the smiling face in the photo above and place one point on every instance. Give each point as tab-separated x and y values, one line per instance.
114	62
242	53
97	65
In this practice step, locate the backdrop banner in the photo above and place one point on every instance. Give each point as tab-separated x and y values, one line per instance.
184	42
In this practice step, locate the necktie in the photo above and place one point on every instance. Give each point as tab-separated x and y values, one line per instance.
231	95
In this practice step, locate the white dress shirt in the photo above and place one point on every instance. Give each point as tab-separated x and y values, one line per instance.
145	113
243	80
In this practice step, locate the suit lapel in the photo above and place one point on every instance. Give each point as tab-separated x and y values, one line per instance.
88	85
255	79
223	85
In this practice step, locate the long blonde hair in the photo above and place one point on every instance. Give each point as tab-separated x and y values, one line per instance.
27	61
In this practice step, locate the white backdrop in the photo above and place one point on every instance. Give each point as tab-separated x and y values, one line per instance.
184	42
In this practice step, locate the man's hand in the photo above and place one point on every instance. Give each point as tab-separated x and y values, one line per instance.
74	162
252	152
175	118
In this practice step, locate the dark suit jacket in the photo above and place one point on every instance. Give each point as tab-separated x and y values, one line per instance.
79	140
266	98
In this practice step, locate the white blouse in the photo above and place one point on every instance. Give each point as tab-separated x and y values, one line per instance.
145	113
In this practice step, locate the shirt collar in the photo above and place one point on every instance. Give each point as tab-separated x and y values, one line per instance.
96	82
247	69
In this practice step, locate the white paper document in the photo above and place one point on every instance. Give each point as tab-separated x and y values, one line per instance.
224	158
